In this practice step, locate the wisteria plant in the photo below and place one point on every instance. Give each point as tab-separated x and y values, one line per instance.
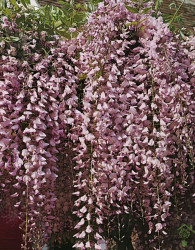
96	133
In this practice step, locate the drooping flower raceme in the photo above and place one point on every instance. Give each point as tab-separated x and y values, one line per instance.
135	151
38	108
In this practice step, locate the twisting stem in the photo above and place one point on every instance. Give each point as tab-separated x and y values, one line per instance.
26	228
119	228
156	176
153	127
170	22
90	184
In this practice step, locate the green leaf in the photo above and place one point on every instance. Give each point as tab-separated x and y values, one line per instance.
13	15
13	2
58	24
64	3
68	12
145	11
172	5
158	4
24	3
146	1
79	18
96	1
132	23
14	39
17	8
132	10
143	27
64	34
2	4
47	13
7	12
184	243
78	6
143	20
83	77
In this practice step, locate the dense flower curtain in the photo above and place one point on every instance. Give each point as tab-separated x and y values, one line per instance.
96	133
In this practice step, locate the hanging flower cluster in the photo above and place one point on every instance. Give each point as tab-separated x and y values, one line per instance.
107	117
135	152
38	106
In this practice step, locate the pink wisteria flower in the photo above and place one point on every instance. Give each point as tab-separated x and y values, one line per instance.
133	120
99	128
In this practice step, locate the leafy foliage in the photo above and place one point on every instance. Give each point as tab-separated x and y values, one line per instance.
51	19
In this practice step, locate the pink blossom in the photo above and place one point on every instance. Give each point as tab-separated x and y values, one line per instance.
82	221
158	227
88	229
